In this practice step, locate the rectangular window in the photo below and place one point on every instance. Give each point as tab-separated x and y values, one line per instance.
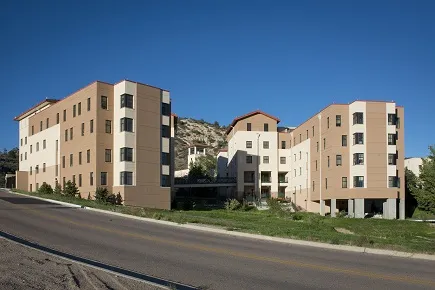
91	178
44	144
166	158
74	110
248	144
313	131
392	159
358	138
313	186
74	179
166	131
127	101
126	178
126	154
327	122
30	170
358	181
316	165
63	161
83	129
37	146
31	149
282	144
66	135
80	158
391	139
358	159
248	159
57	118
104	103
79	109
358	118
300	155
326	183
57	145
71	133
344	140
33	130
108	155
56	169
21	141
324	143
63	181
43	167
392	119
88	156
108	126
80	180
166	181
266	159
89	104
91	126
266	127
307	134
71	159
338	121
127	125
248	126
40	126
47	123
338	160
64	115
300	170
392	181
25	155
21	157
265	144
166	109
282	160
317	146
300	138
344	182
329	162
103	178
294	156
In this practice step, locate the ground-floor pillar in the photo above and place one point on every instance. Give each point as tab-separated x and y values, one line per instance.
390	209
359	208
322	207
350	207
402	209
333	207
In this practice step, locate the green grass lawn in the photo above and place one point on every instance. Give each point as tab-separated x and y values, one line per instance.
398	235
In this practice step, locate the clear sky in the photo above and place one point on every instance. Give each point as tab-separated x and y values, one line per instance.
221	59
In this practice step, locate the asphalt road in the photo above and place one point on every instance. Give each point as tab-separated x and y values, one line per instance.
208	260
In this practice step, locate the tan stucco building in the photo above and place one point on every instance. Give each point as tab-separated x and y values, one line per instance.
346	157
118	136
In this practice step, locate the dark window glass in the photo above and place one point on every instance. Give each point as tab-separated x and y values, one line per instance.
126	154
358	118
265	144
91	126
338	120
249	159
248	127
166	109
344	140
338	160
104	105
344	182
108	155
282	144
91	178
88	156
166	181
127	101
358	138
392	160
166	131
248	144
392	139
103	179
108	126
266	127
166	158
57	118
358	159
358	181
88	104
126	125
79	109
126	178
74	110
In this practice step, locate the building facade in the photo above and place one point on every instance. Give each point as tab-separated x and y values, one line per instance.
414	164
347	157
118	136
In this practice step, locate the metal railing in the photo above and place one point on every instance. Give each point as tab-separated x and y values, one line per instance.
206	180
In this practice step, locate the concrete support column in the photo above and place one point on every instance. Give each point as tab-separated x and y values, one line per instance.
350	208
322	207
402	209
359	208
390	209
333	207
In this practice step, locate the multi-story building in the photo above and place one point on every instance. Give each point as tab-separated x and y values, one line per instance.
117	136
414	164
346	157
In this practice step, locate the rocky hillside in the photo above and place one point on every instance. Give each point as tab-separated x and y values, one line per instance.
197	131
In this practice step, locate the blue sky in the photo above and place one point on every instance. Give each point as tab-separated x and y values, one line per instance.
222	59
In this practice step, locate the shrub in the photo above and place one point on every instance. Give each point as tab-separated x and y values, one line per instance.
111	199
57	189
70	189
119	199
101	194
184	205
45	189
89	196
297	216
199	205
232	204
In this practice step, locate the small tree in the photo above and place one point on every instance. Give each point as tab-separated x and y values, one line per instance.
424	188
57	189
208	163
119	199
101	194
70	189
45	189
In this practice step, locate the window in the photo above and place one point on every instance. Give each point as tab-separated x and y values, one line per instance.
307	134
64	115
358	138
71	133
166	109
338	160
80	176
103	178
248	126
300	138
108	155
282	160
316	165
66	135
166	158
37	186
91	178
74	110
324	143
329	163
63	161
126	178
47	123
25	140
74	179
248	159
44	144
88	156
43	167
317	146
344	140
89	104
282	144
300	170
80	158
56	170
166	181
127	101
313	131
25	155
30	171
104	102
358	159
392	119
327	122
71	160
57	118
33	130
40	126
30	149
358	181
21	157
294	141
126	154
338	121
313	185
166	131
344	182
392	159
64	181
108	126
326	183
392	181
265	144
79	109
358	118
83	129
300	155
91	126
36	169
127	124
37	146
391	139
248	144
266	127
266	159
57	145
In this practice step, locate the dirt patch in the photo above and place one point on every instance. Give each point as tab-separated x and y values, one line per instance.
344	231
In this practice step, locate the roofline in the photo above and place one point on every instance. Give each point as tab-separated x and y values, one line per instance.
237	119
34	108
127	80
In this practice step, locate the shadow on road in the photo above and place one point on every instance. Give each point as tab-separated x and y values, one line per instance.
24	200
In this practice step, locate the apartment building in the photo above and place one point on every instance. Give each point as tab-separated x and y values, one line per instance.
346	157
117	136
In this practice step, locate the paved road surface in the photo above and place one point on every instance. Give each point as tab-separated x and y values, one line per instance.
204	259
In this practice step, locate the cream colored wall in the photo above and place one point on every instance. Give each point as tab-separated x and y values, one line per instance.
357	170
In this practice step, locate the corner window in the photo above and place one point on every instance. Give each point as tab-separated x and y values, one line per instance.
392	160
358	118
358	159
166	181
126	125
392	119
126	154
392	181
248	144
248	127
358	181
265	144
108	155
166	158
127	101
103	179
166	109
338	121
358	138
391	139
104	104
126	178
266	127
166	131
248	159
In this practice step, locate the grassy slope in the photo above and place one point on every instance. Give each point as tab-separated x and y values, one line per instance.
387	234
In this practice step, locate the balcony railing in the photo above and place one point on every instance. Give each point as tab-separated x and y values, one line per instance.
210	180
282	180
266	179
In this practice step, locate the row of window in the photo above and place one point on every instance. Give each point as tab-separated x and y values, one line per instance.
358	182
